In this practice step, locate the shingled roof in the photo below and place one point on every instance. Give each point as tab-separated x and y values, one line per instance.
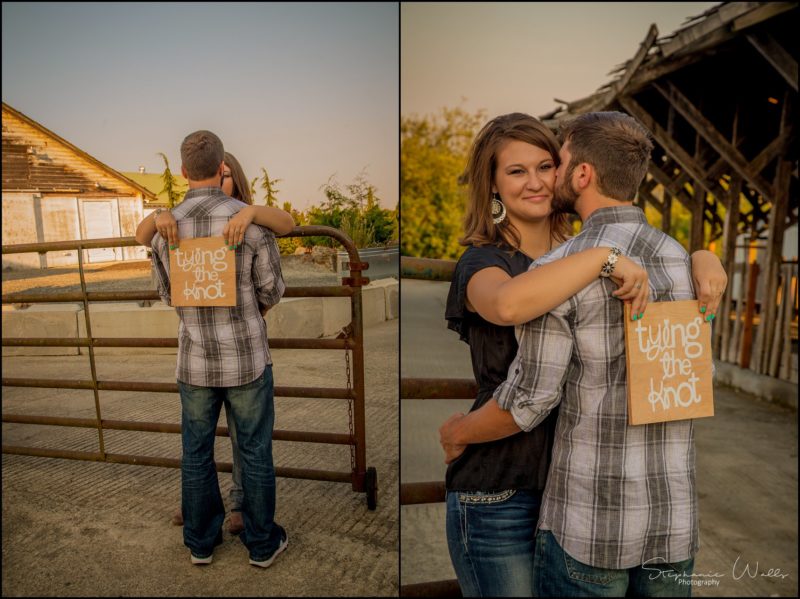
36	159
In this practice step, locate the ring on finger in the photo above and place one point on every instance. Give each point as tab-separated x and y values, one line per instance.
638	285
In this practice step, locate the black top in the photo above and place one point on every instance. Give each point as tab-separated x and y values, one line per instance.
520	461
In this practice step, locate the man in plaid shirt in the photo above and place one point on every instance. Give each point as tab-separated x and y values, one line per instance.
619	512
223	357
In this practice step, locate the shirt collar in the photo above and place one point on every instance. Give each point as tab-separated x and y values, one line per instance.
203	192
615	214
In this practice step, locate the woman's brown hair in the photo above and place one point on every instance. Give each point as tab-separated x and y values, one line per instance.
241	188
479	228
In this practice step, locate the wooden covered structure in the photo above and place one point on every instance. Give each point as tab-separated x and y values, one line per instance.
54	191
719	97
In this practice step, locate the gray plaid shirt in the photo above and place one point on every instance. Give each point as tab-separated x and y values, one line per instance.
223	346
616	495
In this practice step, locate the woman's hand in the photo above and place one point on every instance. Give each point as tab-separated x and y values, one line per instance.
167	227
451	449
632	280
710	281
236	226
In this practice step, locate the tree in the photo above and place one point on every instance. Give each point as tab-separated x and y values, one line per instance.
433	154
253	188
171	184
268	185
356	211
288	245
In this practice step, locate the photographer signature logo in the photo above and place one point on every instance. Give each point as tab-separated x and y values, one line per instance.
739	570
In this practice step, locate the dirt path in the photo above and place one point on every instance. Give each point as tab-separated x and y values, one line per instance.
135	275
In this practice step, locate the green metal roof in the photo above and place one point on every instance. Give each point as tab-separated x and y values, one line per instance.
154	183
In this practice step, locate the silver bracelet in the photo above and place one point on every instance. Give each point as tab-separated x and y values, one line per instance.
608	266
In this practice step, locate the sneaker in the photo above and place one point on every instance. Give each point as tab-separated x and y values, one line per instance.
266	563
202	561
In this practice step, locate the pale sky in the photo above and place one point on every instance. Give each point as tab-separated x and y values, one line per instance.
305	90
517	57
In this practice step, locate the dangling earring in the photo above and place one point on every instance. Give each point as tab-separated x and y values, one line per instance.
498	209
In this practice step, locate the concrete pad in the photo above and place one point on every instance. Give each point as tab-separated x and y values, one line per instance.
296	317
391	291
128	319
41	320
771	389
336	314
374	304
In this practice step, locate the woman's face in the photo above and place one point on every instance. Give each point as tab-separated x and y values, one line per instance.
525	179
227	180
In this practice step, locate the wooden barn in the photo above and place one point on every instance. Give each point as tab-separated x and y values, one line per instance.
54	191
719	96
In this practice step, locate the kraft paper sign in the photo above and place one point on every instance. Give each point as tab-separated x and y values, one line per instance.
202	272
668	354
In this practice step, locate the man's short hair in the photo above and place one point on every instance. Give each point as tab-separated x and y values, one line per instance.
201	155
616	145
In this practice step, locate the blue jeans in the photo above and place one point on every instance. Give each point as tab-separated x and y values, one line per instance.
236	492
253	412
491	541
557	574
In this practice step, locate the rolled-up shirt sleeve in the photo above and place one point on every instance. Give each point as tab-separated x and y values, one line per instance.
267	275
160	260
537	375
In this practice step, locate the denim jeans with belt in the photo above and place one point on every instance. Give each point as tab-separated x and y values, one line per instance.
558	574
491	541
253	411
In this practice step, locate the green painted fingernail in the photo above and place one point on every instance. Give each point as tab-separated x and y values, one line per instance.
712	317
703	310
633	316
230	247
641	315
172	247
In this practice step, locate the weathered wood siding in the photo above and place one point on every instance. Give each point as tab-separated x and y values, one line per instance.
19	227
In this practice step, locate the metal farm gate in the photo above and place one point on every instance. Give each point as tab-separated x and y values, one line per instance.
429	389
362	478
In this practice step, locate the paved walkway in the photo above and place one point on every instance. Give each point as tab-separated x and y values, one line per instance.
75	528
746	470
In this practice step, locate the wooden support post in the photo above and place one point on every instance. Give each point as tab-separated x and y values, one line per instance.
777	345
747	334
666	212
698	208
774	253
735	344
789	308
730	229
772	263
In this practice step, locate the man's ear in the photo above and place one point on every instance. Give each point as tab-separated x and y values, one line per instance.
585	175
184	173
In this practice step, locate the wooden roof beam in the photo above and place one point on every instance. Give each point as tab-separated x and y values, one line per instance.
669	184
671	147
776	55
705	128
